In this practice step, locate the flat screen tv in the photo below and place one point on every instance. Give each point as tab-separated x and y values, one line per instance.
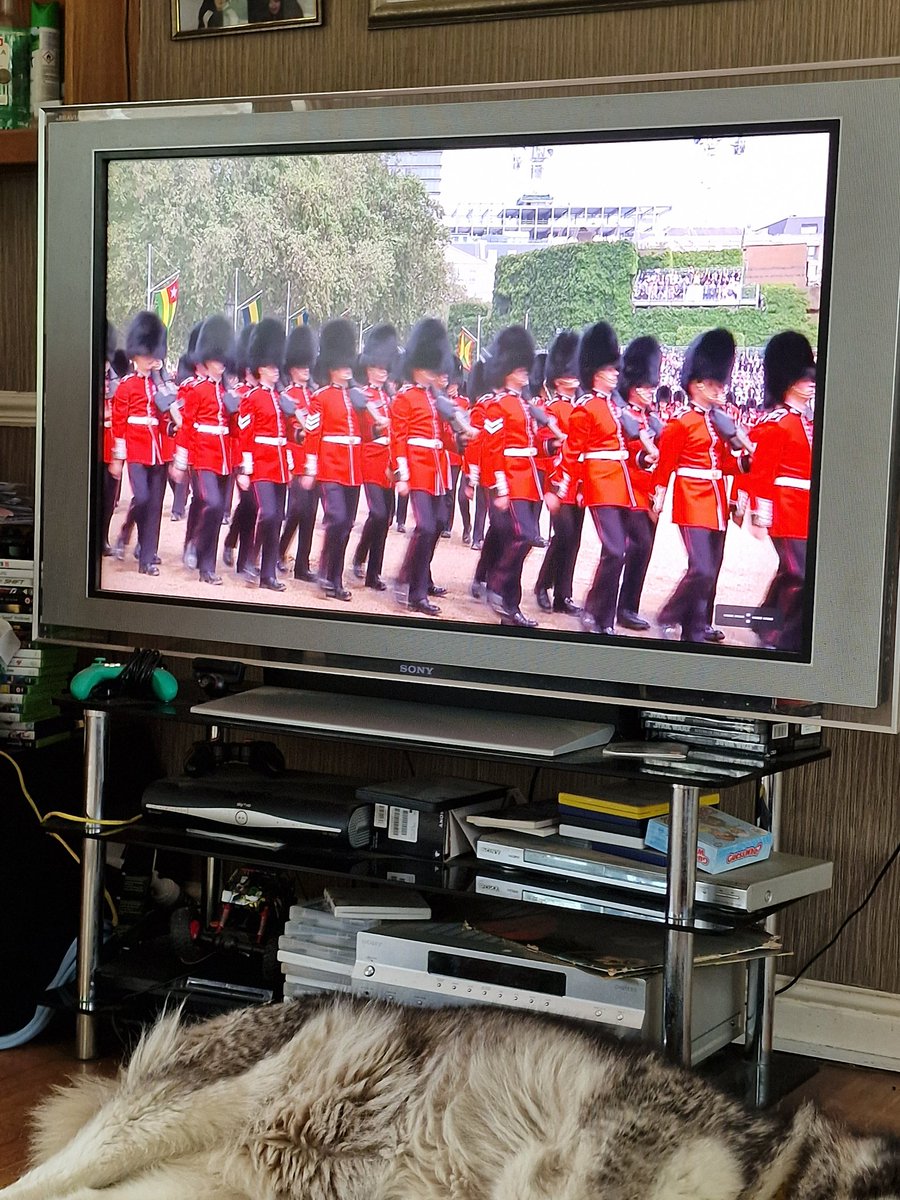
704	514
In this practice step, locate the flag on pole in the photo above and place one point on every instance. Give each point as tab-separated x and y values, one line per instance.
300	316
165	299
465	346
250	311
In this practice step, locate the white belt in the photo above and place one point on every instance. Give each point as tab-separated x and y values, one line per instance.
220	429
698	473
143	421
520	452
427	443
381	441
787	481
341	439
607	455
107	424
271	441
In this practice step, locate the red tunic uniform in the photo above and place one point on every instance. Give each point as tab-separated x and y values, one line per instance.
136	422
779	479
560	409
265	451
511	447
474	447
419	439
333	438
690	447
376	446
301	396
642	475
203	441
595	431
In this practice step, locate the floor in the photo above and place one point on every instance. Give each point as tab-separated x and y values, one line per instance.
867	1100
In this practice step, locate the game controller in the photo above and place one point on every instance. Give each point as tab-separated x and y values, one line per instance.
162	684
264	757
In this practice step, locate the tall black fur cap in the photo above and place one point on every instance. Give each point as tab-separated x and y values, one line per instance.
187	363
146	335
709	356
427	348
598	347
337	348
537	375
562	357
511	349
266	345
788	358
379	348
640	365
475	384
242	345
112	340
215	341
302	347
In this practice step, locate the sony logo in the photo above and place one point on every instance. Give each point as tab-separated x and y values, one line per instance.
415	669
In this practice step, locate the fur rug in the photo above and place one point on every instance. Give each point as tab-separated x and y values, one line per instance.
338	1099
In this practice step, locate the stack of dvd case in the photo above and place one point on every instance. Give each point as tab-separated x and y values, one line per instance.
740	741
317	950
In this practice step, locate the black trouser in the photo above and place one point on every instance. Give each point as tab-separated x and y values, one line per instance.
456	495
243	529
380	502
690	604
340	504
180	494
428	511
460	483
491	549
111	488
787	589
482	506
558	568
640	530
516	529
148	487
208	499
303	505
402	508
270	513
609	522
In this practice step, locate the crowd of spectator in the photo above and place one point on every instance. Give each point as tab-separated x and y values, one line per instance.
746	379
689	285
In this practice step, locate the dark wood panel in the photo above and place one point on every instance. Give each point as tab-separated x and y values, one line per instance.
18	279
101	43
17	445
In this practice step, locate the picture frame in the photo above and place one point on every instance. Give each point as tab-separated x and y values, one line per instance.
209	18
441	12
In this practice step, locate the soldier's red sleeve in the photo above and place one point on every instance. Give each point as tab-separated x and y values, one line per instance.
184	436
671	441
566	474
400	416
245	422
313	436
493	473
119	418
769	438
472	452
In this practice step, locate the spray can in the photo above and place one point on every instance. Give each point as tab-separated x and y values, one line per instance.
45	54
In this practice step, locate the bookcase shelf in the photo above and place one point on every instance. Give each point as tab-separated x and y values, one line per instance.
18	147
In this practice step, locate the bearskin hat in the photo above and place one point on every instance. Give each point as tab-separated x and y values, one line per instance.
242	345
709	356
187	362
536	375
663	394
301	348
215	341
562	357
266	345
787	359
119	363
427	348
475	384
146	336
456	372
511	350
598	347
112	340
337	348
640	365
379	348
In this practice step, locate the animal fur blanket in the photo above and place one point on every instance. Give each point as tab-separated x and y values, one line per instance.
339	1099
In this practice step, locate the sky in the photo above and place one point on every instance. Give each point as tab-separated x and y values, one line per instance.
776	175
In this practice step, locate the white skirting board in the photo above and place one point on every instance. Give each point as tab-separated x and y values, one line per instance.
842	1024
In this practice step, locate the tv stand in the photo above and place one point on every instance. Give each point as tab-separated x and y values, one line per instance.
436	726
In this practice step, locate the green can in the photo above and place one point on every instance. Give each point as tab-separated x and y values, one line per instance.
15	73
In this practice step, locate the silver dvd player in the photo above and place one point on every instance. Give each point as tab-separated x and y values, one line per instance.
431	964
781	878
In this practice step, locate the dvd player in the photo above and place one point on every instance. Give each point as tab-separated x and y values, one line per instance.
762	885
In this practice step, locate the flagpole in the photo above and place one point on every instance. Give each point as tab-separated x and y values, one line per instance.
235	317
149	273
287	309
478	338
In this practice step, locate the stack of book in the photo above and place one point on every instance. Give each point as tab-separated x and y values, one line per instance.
29	718
616	822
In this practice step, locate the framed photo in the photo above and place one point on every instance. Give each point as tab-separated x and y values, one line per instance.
439	12
199	18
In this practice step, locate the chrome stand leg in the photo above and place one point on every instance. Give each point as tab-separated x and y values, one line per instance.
680	895
761	980
96	733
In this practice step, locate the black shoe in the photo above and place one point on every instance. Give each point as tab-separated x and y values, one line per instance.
107	550
189	558
359	571
495	600
377	585
712	634
337	593
282	567
517	617
177	517
148	569
567	606
540	543
631	620
250	574
543	599
208	577
435	590
426	607
119	550
137	552
228	555
273	585
445	533
588	624
477	590
669	633
401	529
478	545
467	537
401	594
306	576
226	520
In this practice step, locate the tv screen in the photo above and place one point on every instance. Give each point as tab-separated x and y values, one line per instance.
550	396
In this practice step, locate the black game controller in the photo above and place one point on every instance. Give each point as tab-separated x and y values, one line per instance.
264	757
